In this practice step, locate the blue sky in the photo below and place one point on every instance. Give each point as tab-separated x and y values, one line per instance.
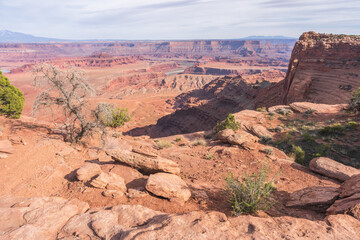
178	19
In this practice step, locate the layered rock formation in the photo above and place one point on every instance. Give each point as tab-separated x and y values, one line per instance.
323	68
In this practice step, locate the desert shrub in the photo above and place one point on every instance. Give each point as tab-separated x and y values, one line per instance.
285	112
209	156
335	129
272	113
199	142
250	195
228	123
352	125
261	109
269	151
11	99
355	101
299	154
178	140
279	129
307	137
163	144
265	139
111	116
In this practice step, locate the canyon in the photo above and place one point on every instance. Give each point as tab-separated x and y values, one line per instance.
161	175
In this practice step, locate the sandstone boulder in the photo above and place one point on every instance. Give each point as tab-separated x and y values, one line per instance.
258	130
6	146
350	186
332	169
340	206
145	163
277	108
316	198
303	107
109	181
168	186
88	171
239	138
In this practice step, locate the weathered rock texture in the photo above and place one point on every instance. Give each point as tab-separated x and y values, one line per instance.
88	171
168	186
323	68
332	169
145	162
57	218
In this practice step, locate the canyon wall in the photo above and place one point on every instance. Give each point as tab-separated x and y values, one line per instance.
323	68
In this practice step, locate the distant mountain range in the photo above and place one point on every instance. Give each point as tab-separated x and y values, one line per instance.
7	36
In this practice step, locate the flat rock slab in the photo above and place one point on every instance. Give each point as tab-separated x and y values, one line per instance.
332	169
238	138
88	171
168	186
350	186
145	163
6	146
302	107
316	198
110	181
342	205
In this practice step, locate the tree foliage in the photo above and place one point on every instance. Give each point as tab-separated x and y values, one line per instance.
111	116
11	98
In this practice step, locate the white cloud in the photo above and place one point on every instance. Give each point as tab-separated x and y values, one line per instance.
178	19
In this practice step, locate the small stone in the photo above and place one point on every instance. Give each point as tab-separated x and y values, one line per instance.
113	193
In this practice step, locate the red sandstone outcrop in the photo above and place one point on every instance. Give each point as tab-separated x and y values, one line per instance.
323	68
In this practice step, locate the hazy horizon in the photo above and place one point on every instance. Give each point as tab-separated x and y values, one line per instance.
178	19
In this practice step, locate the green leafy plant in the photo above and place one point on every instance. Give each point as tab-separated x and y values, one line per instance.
251	194
111	116
299	154
228	123
11	99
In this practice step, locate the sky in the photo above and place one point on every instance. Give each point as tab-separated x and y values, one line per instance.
178	19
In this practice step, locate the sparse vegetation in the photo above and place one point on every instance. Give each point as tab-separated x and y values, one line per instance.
269	151
68	90
11	99
336	129
178	140
209	156
285	111
266	139
355	101
228	123
199	142
111	116
298	154
352	125
163	144
250	195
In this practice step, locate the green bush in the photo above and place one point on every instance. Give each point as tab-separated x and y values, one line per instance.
228	123
250	195
352	125
11	99
335	129
355	101
299	154
111	116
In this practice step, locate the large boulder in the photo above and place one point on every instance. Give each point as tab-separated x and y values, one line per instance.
257	130
316	198
6	146
349	194
342	205
350	186
303	107
168	186
332	169
145	163
239	138
88	171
